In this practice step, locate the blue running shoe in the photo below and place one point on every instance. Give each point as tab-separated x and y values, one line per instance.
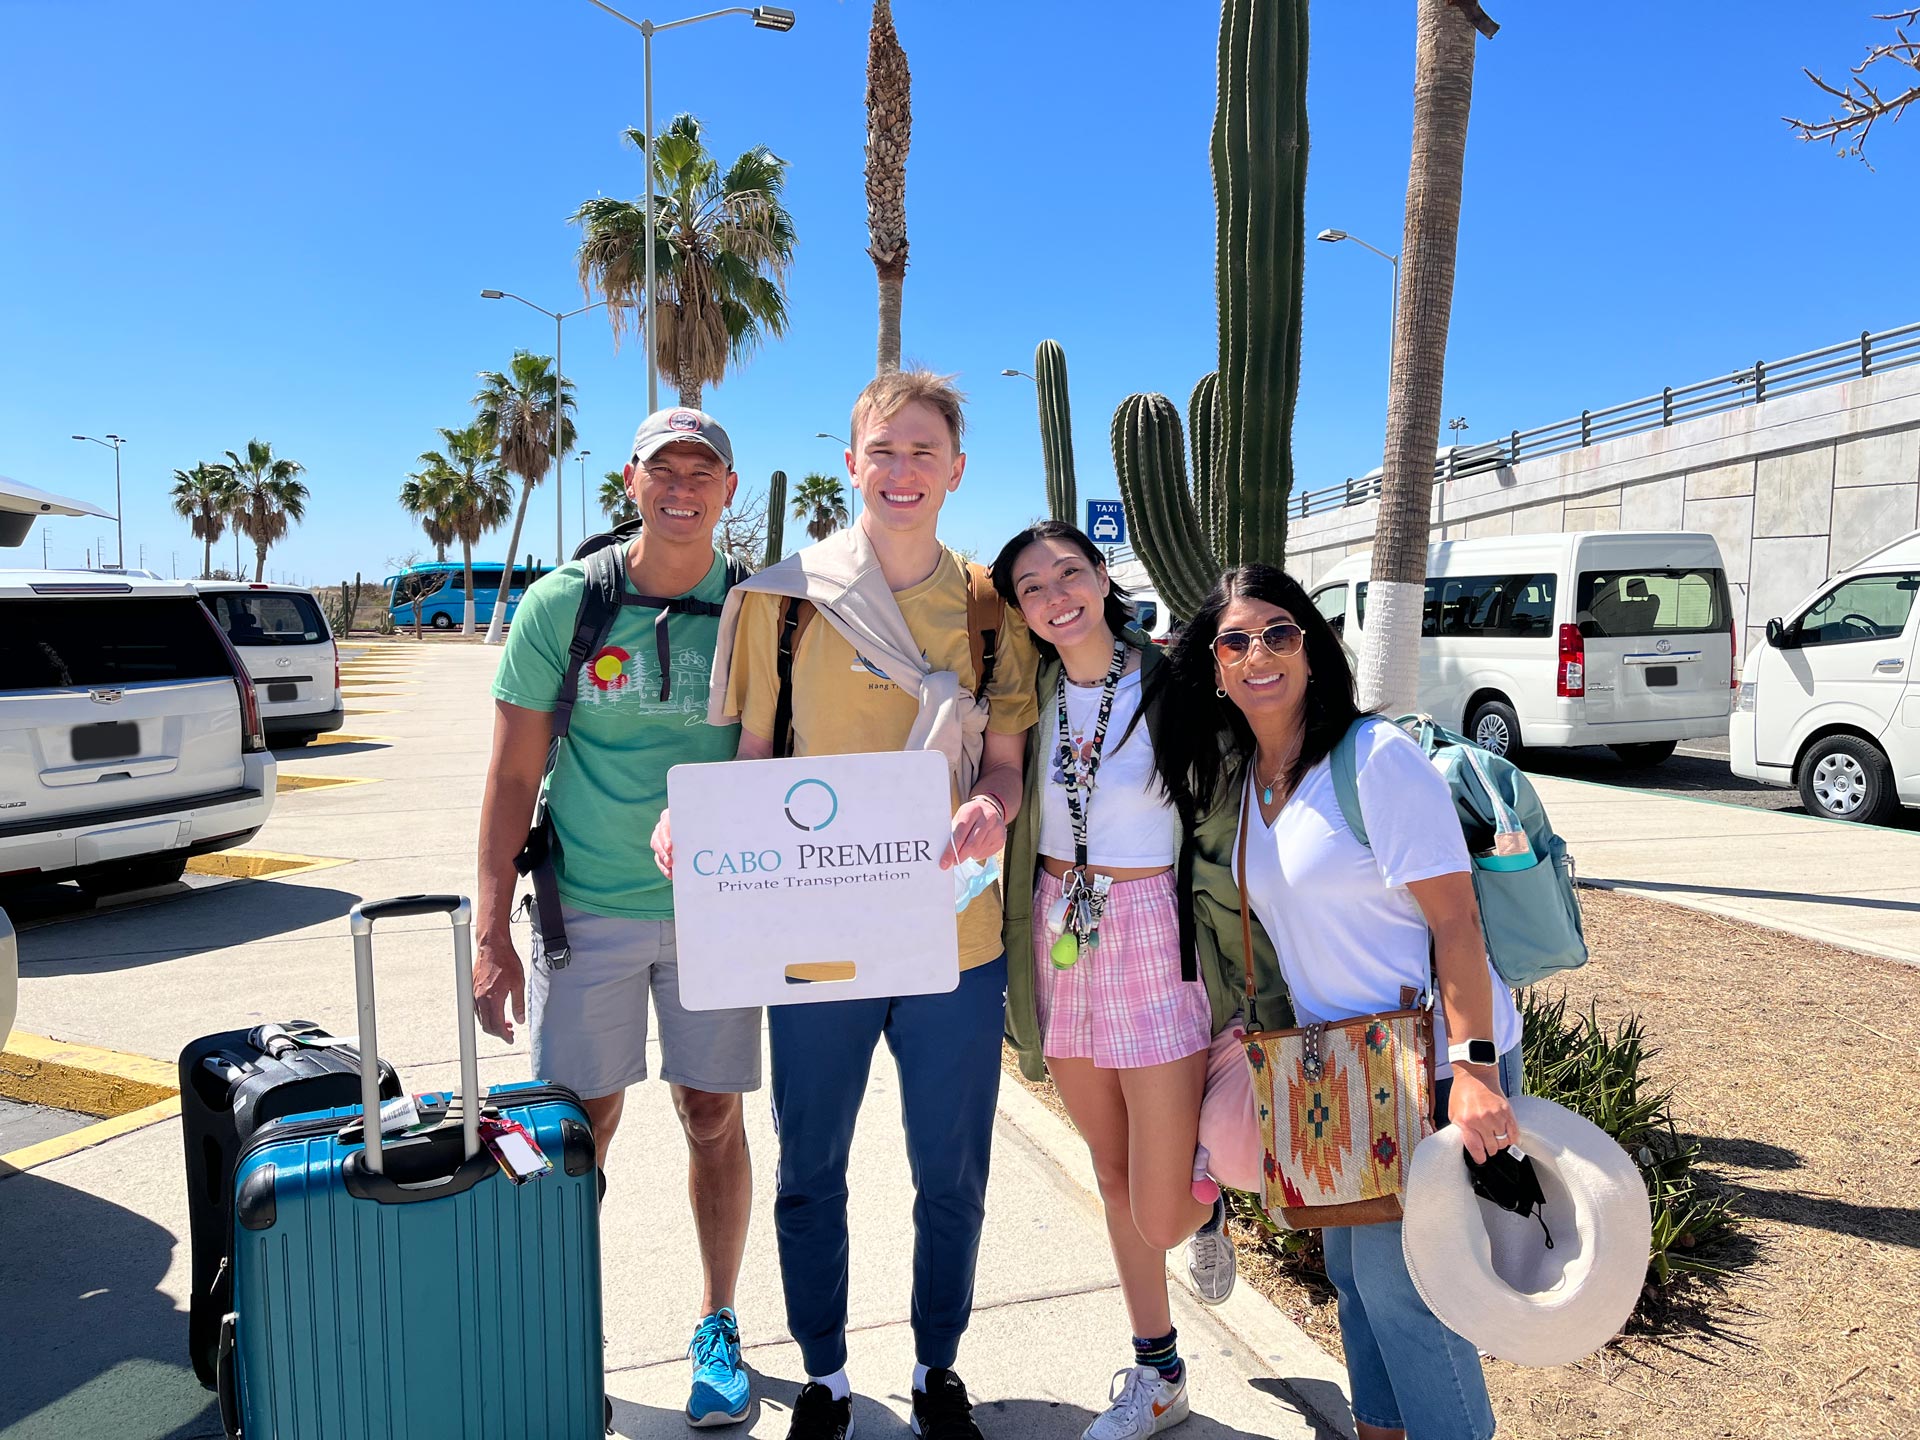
719	1379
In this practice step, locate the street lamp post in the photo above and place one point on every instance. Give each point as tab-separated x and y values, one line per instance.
113	443
559	399
582	458
765	17
845	445
1334	237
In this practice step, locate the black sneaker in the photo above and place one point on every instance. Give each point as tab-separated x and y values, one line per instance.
818	1416
942	1410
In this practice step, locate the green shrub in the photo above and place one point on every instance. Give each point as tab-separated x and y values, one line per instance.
1598	1072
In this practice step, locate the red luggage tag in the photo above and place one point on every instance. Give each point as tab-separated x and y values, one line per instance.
516	1151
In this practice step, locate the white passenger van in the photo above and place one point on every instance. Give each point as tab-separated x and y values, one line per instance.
282	637
1830	703
1616	638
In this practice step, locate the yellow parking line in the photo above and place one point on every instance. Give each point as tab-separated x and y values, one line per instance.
287	781
16	1162
341	737
258	864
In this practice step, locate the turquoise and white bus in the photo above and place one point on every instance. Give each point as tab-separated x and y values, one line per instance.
434	592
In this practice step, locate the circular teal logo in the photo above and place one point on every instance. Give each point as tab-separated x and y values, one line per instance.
811	805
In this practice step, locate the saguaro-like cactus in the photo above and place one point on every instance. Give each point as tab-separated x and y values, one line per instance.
1241	417
776	517
1056	429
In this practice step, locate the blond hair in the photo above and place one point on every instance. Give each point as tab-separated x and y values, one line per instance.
887	395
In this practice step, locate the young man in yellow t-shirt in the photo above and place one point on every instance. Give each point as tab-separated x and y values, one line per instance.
906	459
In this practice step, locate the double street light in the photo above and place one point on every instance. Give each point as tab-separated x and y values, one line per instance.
113	443
765	17
559	401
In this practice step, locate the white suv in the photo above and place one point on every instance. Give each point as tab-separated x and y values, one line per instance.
283	640
130	738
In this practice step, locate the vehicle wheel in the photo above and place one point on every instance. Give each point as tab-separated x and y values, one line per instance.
441	622
1495	728
141	874
1650	753
1846	778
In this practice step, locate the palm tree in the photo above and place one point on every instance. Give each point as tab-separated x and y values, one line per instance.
423	494
1442	97
889	133
516	420
205	496
722	245
614	499
268	497
821	501
474	494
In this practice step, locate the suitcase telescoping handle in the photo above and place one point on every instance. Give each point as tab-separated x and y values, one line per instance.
360	921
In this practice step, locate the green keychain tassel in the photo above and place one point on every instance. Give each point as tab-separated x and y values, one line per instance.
1066	950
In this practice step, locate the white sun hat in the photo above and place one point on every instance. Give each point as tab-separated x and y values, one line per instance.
1490	1275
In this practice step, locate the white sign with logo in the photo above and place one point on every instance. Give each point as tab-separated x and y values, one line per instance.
799	881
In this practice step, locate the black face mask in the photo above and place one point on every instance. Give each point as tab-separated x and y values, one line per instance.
1506	1179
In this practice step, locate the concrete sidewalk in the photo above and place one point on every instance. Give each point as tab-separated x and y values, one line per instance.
1856	886
95	1281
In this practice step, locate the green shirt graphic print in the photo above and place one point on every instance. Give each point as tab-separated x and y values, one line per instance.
610	784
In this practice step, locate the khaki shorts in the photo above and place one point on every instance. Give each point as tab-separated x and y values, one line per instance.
589	1019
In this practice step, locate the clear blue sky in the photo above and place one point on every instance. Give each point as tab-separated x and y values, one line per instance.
225	220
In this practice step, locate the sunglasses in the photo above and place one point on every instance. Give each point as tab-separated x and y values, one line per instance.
1281	639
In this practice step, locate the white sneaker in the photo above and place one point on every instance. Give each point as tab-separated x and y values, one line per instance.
1142	1404
1210	1258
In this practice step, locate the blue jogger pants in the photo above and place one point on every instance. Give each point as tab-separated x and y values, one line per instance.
947	1050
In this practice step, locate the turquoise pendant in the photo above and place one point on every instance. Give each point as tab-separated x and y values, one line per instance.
1266	795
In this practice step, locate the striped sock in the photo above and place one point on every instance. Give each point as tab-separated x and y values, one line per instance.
1162	1354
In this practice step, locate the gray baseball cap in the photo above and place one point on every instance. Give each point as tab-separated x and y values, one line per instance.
668	427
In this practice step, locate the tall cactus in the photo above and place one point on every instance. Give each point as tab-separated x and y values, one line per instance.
1056	429
776	517
1241	417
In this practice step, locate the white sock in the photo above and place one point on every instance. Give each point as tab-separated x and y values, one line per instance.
836	1383
920	1378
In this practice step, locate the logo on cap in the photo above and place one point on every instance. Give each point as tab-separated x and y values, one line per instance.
683	420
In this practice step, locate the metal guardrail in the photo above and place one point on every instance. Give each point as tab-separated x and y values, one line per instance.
1873	353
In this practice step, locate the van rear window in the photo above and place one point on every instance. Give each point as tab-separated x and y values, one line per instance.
260	617
1653	602
99	642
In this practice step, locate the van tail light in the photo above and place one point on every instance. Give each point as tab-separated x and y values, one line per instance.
336	671
1570	679
253	736
1733	655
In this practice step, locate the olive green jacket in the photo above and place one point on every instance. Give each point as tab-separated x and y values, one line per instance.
1209	898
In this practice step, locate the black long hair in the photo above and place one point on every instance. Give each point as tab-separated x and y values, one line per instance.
1119	607
1207	737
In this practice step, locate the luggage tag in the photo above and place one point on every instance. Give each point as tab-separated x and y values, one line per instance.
516	1151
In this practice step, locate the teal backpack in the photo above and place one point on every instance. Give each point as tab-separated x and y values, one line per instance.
1521	874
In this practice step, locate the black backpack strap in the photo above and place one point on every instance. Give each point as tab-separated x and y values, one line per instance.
599	604
794	617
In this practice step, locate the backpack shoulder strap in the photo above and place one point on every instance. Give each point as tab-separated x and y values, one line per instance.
599	603
795	615
1346	780
983	626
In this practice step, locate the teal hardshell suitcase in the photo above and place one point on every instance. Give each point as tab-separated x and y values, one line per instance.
409	1290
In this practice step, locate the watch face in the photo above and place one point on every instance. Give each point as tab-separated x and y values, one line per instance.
1481	1052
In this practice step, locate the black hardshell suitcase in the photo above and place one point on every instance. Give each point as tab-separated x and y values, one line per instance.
231	1084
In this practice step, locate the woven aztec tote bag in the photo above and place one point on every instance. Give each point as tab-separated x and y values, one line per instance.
1341	1105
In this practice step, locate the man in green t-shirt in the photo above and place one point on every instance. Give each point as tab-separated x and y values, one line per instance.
587	1015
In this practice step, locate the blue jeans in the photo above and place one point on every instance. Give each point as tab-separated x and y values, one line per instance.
947	1050
1406	1370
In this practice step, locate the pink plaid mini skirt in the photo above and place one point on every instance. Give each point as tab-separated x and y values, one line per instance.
1124	1006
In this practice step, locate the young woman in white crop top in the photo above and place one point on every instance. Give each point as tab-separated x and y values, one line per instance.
1101	980
1259	694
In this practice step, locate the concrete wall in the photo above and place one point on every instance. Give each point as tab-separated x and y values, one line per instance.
1793	489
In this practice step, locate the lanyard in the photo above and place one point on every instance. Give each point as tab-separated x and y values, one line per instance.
1075	773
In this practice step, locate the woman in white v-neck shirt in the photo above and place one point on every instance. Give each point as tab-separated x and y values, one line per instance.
1263	693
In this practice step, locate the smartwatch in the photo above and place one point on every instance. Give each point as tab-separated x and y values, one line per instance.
1473	1052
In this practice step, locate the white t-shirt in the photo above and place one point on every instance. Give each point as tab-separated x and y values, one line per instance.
1130	822
1348	930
